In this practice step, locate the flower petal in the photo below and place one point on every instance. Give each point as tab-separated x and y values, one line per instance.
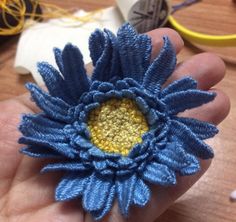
96	193
159	174
74	73
97	215
125	192
173	156
71	186
202	129
39	152
179	85
69	166
161	68
135	51
190	141
192	168
54	107
142	193
58	59
180	101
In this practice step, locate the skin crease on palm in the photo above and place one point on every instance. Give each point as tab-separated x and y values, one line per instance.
28	196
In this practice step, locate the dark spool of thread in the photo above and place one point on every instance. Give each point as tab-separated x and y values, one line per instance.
12	21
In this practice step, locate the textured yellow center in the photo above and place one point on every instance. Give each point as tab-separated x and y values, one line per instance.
116	126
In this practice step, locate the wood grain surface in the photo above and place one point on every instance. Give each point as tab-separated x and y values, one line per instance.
208	199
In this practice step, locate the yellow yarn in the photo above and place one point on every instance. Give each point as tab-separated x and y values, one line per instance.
17	9
117	125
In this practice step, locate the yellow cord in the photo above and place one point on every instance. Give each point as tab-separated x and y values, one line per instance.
17	10
203	39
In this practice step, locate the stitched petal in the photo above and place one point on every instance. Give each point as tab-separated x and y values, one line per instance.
161	68
141	193
39	152
108	205
62	148
58	59
190	141
96	193
125	193
180	101
74	72
159	174
71	186
134	52
192	168
54	107
173	156
202	129
64	166
179	85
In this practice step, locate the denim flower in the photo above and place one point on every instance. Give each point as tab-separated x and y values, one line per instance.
117	132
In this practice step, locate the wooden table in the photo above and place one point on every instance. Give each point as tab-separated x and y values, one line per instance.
208	199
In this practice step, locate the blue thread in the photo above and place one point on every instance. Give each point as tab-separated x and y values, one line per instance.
122	70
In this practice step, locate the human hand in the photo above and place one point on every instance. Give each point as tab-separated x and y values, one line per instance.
28	196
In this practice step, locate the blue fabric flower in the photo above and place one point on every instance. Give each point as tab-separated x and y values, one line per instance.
108	163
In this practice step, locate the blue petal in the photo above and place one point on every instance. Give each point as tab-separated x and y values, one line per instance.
125	192
97	215
179	85
161	68
159	174
62	148
107	65
96	45
142	104
135	51
203	130
142	193
173	156
180	101
72	166
74	73
190	141
105	87
39	152
58	59
71	186
192	168
54	107
96	193
54	81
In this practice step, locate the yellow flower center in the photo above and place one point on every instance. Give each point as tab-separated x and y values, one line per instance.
117	125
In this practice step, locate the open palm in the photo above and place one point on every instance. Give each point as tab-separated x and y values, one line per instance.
28	196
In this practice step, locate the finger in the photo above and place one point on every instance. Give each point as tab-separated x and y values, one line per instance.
213	112
157	40
207	68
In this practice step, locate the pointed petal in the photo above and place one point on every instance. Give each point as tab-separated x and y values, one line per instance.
203	130
173	156
96	193
74	72
181	101
107	65
54	81
71	166
179	85
159	174
125	193
39	152
96	45
142	193
161	68
58	59
190	141
97	215
71	186
192	168
62	148
135	51
52	106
